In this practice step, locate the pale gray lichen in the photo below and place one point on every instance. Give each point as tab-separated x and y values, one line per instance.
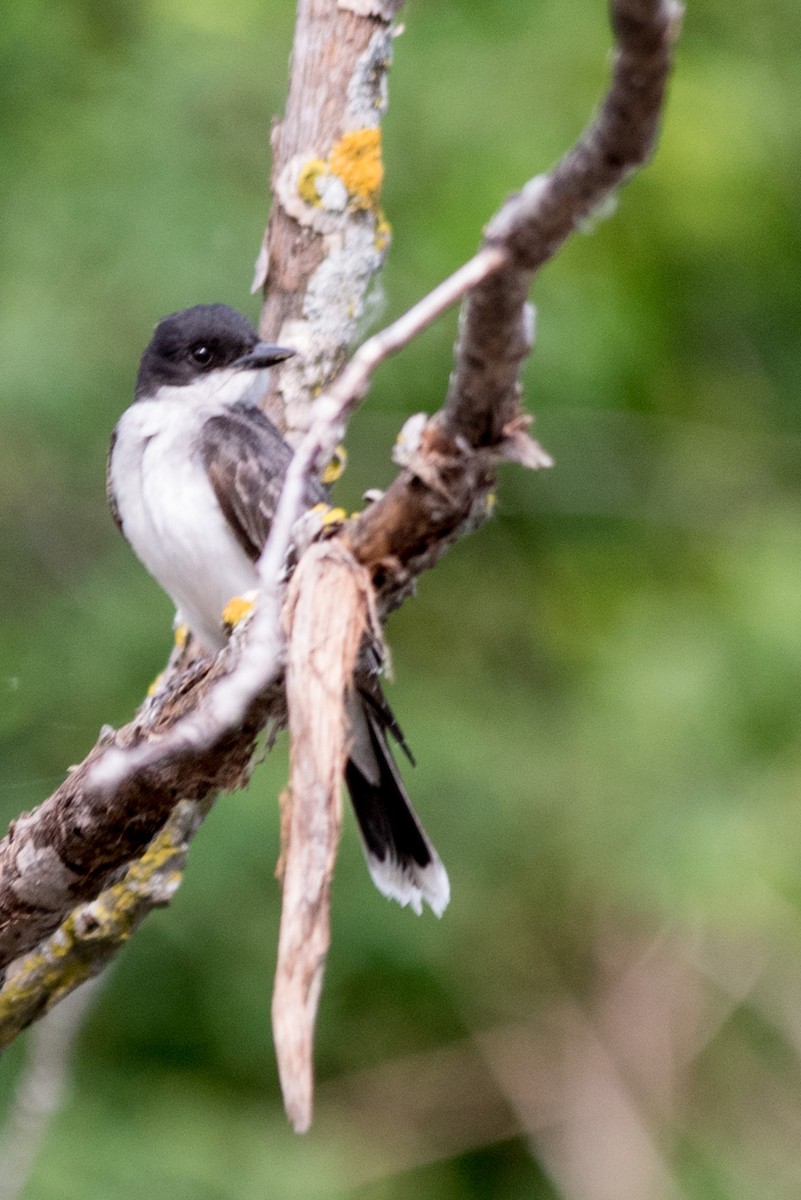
368	94
334	299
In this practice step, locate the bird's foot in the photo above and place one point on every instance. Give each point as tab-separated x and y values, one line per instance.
330	518
237	609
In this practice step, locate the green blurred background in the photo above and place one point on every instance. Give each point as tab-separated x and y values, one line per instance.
601	687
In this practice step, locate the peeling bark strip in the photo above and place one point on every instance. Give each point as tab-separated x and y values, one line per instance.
327	614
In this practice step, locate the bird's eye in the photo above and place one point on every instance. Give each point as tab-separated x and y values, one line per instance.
202	354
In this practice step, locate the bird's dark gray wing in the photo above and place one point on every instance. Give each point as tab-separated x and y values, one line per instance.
246	460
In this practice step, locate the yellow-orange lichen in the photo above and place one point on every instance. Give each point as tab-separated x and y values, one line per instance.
307	180
356	159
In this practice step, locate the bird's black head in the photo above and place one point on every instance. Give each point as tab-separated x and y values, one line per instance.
188	345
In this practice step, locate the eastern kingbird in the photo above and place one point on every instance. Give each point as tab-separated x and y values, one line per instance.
195	471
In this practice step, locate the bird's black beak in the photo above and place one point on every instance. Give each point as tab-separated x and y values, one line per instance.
263	354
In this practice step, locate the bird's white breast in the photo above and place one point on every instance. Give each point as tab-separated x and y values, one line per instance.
170	514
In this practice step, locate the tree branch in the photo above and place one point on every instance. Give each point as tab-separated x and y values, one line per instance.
495	335
94	932
197	734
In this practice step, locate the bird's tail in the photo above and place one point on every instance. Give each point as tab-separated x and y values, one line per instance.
402	861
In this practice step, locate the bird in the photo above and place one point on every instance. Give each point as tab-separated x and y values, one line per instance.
195	472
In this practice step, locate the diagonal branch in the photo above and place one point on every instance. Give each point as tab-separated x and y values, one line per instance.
531	227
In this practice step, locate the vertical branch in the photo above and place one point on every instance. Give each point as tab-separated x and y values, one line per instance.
327	236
